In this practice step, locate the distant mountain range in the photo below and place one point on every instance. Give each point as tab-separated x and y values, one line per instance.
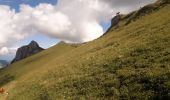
3	63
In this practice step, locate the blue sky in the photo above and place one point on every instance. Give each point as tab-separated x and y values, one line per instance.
15	3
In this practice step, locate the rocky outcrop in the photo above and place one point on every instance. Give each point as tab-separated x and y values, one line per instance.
115	21
27	51
145	11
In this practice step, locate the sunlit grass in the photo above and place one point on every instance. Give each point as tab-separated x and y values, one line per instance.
132	62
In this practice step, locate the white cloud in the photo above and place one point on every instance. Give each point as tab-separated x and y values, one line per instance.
8	28
69	20
5	50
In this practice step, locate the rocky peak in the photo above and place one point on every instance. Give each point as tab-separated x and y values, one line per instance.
34	43
26	51
115	21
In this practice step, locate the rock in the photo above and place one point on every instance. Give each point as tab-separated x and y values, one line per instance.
27	51
116	20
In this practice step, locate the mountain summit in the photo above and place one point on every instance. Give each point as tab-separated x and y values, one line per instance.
27	51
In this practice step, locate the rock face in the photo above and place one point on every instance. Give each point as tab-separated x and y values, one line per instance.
27	51
115	21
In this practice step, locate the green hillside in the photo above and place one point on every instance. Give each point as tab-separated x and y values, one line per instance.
129	63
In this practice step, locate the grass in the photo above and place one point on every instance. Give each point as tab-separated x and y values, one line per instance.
131	63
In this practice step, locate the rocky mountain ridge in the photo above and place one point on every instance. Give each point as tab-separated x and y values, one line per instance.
27	51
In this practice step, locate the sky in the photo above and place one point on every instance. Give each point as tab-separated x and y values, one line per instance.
51	21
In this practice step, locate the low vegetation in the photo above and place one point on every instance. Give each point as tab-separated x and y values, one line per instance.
128	63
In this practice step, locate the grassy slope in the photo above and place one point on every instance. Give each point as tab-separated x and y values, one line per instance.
132	62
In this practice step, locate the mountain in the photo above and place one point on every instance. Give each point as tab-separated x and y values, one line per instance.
27	51
3	63
131	62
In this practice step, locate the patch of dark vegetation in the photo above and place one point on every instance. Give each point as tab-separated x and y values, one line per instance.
133	61
119	83
102	85
159	84
143	58
139	76
42	93
5	79
138	82
114	44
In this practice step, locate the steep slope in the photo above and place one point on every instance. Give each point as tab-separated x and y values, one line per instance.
26	51
131	62
133	16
